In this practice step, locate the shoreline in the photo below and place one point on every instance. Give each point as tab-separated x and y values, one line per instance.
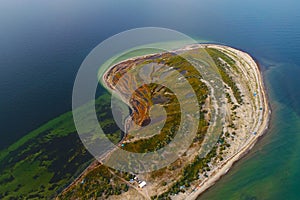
263	127
228	164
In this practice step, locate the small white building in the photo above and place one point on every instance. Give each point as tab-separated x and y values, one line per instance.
142	184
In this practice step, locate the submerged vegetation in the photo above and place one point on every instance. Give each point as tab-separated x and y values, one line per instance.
45	161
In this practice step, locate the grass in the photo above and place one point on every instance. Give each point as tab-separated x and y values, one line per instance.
216	54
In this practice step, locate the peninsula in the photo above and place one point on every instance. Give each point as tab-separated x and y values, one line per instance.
233	114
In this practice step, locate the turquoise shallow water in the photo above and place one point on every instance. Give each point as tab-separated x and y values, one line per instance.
43	45
271	169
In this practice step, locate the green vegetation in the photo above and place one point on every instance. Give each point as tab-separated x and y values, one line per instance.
46	160
216	54
171	105
97	184
49	158
190	174
199	165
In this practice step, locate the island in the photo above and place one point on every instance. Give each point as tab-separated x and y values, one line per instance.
233	113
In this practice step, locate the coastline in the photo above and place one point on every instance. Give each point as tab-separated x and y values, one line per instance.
223	169
263	127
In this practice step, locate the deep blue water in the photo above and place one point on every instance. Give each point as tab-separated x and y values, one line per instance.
42	44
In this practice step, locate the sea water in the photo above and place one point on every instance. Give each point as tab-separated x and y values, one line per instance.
44	43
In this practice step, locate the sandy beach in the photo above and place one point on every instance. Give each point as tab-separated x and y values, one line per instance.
262	128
